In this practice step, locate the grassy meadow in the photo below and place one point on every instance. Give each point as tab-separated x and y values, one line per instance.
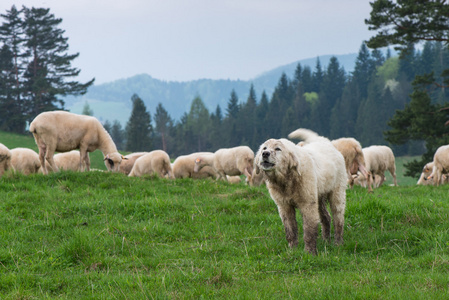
99	235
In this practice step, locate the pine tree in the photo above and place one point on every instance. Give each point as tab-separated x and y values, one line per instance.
139	129
49	65
331	91
87	110
118	134
318	76
12	110
164	124
198	123
233	105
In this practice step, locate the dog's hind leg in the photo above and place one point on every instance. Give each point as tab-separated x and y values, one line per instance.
337	200
325	219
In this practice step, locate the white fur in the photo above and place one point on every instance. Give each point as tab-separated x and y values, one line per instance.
184	165
441	164
305	177
379	159
5	159
25	161
128	162
62	131
352	152
156	161
228	161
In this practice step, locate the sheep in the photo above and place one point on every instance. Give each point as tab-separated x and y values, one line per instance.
425	174
5	159
360	180
351	150
64	131
228	161
156	161
378	159
233	179
183	167
441	164
128	162
25	161
66	161
254	179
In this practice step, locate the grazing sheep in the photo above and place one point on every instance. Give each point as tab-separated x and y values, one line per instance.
183	167
233	179
5	159
230	161
63	131
254	179
25	161
128	162
378	159
305	178
351	150
441	165
360	180
66	161
425	174
426	171
156	161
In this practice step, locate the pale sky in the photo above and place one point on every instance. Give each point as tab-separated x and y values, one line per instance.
178	40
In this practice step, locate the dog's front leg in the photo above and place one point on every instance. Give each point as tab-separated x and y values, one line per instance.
311	220
288	217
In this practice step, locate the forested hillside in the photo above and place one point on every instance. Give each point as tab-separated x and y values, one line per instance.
110	101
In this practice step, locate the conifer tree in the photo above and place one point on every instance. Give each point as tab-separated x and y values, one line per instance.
49	64
318	76
118	134
87	110
12	109
164	124
139	129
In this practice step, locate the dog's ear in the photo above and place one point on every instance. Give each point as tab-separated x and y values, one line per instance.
294	162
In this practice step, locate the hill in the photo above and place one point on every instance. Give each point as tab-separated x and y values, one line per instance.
112	101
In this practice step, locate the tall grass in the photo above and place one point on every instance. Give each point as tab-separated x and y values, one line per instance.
100	235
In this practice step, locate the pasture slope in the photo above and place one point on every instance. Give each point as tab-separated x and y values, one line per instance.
100	235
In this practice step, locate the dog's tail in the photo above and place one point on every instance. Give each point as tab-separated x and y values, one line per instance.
306	135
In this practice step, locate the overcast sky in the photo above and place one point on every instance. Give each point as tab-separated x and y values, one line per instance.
181	40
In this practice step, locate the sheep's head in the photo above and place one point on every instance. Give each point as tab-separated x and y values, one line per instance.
198	165
113	160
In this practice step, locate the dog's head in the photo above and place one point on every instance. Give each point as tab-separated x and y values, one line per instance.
276	155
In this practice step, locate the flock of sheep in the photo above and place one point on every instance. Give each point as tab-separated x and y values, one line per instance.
304	176
60	131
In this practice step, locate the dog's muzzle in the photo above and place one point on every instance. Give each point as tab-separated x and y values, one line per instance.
266	164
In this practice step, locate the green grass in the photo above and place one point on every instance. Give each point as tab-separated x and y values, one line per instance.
99	235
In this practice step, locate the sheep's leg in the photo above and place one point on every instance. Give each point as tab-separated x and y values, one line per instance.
350	179
84	160
49	157
288	217
365	173
42	152
382	179
393	173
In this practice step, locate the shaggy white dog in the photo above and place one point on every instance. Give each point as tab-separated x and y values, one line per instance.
306	178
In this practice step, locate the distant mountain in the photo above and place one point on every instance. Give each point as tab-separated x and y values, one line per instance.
112	101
